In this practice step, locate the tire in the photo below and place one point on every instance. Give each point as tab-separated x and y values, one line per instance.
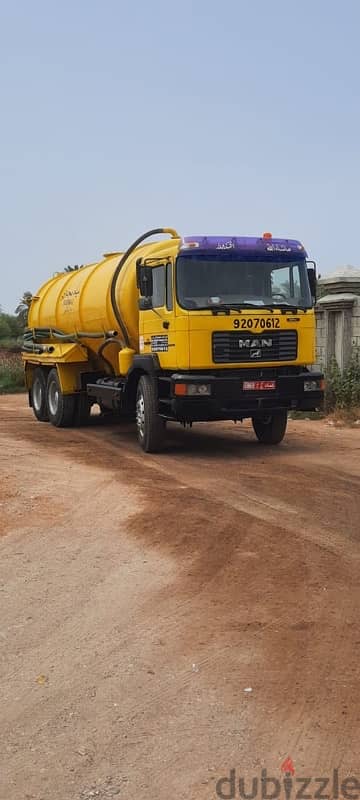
61	407
271	430
38	395
82	410
150	427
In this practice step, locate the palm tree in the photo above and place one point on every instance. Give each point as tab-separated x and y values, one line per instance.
72	269
22	309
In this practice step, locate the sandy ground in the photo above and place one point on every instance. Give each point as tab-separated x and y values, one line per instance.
142	596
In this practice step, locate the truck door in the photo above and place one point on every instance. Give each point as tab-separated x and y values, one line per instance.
157	324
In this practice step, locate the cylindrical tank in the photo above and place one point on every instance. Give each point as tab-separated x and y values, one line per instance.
80	300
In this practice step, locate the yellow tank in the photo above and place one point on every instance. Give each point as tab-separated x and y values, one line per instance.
80	301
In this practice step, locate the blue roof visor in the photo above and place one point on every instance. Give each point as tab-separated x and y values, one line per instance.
246	245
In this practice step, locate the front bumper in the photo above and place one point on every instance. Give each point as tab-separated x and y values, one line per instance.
228	400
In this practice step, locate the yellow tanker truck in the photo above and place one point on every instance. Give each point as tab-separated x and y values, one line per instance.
186	329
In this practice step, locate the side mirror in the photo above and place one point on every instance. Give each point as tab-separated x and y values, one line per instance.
138	268
311	271
144	279
145	303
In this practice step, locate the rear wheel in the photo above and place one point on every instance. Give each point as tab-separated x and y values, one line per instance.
38	395
61	407
82	409
150	426
271	429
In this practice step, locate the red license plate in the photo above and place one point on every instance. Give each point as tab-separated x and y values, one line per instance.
258	386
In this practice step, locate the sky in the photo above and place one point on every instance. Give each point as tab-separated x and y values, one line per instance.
212	116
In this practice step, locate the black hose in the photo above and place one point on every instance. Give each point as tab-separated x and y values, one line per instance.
100	352
119	267
53	333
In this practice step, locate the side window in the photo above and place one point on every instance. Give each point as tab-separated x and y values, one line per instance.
280	283
169	294
286	283
159	285
296	283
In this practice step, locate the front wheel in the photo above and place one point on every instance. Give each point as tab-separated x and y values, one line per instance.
61	407
150	427
271	429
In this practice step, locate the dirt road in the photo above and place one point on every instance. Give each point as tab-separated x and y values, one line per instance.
143	597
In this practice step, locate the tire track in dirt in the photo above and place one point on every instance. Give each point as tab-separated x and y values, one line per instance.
261	505
173	561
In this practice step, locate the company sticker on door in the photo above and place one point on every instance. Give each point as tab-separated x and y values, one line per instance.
160	343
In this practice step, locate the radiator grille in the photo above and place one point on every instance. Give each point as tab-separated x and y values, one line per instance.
236	348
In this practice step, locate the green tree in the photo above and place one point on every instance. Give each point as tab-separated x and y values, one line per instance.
5	331
15	325
22	309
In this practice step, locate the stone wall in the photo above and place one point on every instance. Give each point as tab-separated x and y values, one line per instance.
338	317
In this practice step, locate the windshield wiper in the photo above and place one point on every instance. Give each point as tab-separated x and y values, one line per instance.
259	306
291	308
218	307
227	307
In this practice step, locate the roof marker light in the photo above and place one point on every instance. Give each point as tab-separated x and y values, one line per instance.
267	235
189	245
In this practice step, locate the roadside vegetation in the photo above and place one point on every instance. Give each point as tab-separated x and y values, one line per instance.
11	333
342	396
343	388
11	372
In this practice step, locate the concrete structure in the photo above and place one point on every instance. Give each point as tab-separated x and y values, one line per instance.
338	317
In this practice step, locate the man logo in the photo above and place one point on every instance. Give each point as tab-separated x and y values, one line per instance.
255	353
254	343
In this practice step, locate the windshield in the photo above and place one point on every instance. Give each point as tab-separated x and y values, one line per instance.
205	281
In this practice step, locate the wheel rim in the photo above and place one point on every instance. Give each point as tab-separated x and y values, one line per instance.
53	398
140	415
37	394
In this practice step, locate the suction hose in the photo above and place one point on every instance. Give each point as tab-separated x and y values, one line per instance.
124	257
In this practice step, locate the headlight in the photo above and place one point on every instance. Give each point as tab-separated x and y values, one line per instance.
193	389
314	385
199	388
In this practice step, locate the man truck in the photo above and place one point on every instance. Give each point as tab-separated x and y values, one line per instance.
188	329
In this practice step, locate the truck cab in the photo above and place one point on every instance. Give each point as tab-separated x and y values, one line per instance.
229	325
